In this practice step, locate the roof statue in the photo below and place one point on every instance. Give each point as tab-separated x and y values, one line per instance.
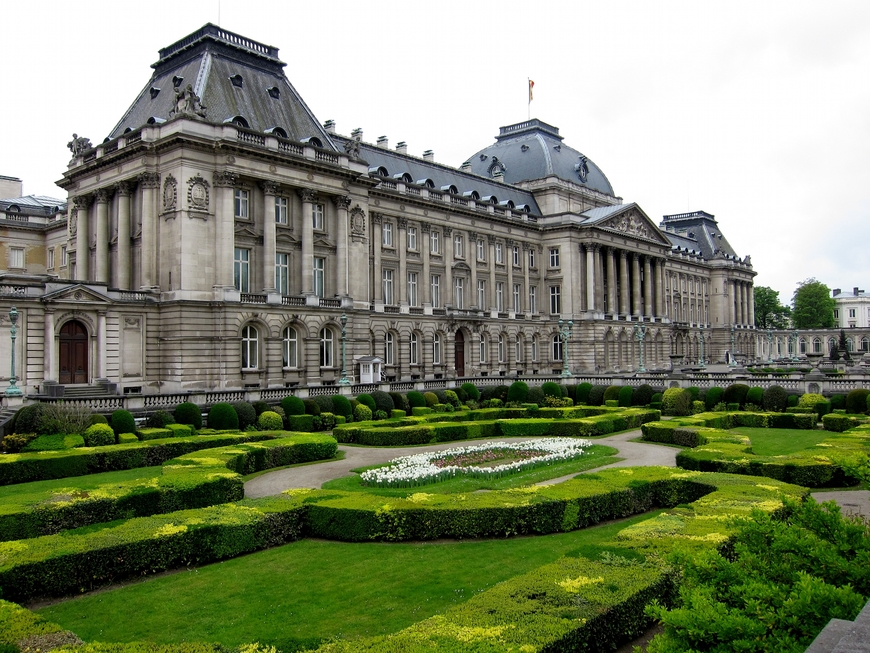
351	148
187	103
79	144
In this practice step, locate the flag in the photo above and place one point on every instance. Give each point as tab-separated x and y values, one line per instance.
531	86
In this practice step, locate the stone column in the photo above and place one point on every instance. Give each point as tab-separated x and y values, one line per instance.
744	303
660	287
491	239
79	218
270	190
342	204
123	269
623	283
425	247
599	279
611	306
101	253
524	294
590	276
647	287
402	272
148	184
471	259
48	367
751	293
101	344
448	265
636	306
309	197
378	242
509	291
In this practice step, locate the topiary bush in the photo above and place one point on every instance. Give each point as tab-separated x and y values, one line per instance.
611	393
431	399
552	389
98	435
677	402
695	391
642	395
222	417
416	399
536	395
362	413
713	396
810	399
518	392
626	393
26	419
96	418
452	399
596	395
326	403
793	400
755	396
774	399
838	402
123	422
581	395
342	406
856	400
247	414
736	394
367	400
500	392
400	401
270	421
260	407
471	390
311	407
187	413
327	421
159	420
383	401
292	406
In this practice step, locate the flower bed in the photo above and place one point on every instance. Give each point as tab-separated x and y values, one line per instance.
473	461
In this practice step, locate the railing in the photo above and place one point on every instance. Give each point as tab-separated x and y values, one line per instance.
110	147
435	385
133	137
401	385
292	301
323	391
410	190
249	298
226	396
415	310
16	217
132	296
330	303
389	185
13	291
391	309
329	157
98	404
439	311
289	147
250	137
458	200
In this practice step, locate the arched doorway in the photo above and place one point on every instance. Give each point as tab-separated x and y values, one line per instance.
459	353
73	354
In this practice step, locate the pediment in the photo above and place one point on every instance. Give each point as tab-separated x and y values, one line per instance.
246	232
323	242
632	222
79	293
286	239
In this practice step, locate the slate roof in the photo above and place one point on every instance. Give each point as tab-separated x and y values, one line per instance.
34	204
534	150
206	60
697	231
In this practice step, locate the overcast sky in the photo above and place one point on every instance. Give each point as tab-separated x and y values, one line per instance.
756	112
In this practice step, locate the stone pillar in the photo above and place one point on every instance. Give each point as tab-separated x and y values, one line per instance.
611	306
270	190
101	253
590	276
101	344
471	259
448	265
79	219
492	304
744	304
148	184
509	291
750	291
48	373
425	247
623	283
123	268
647	287
599	279
636	306
309	197
378	243
660	287
402	272
524	293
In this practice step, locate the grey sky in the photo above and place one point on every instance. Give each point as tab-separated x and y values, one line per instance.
753	111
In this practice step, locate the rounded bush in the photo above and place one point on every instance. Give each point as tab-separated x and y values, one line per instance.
311	407
416	399
292	405
552	389
342	406
159	420
270	421
611	393
625	396
856	400
774	399
656	398
367	400
500	392
383	401
123	422
596	395
96	418
736	394
471	390
838	402
431	399
260	407
362	413
793	400
463	396
327	421
518	392
27	419
642	395
755	396
713	396
810	399
326	403
222	417
452	399
400	401
536	395
695	391
188	413
247	414
677	402
582	394
98	435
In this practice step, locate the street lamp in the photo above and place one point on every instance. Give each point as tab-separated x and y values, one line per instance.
13	390
640	335
733	361
769	346
565	330
794	350
343	380
702	363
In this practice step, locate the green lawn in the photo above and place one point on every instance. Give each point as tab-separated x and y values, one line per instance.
296	595
597	455
778	442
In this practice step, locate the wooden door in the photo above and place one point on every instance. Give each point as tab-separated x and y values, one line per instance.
73	353
459	354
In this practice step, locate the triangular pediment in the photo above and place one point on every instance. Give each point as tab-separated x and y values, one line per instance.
323	242
286	239
246	232
78	293
627	220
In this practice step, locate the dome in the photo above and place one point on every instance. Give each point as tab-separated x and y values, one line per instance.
534	150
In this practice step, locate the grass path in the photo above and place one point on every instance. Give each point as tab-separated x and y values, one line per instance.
778	442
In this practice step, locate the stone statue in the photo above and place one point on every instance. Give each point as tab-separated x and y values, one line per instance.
187	103
79	144
351	148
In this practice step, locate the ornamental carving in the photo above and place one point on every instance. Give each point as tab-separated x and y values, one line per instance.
187	103
377	218
101	195
402	222
123	188
170	193
582	168
269	187
358	221
448	231
342	202
197	193
79	144
632	225
149	180
308	194
472	235
73	223
225	179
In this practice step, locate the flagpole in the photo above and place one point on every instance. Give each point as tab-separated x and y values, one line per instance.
529	104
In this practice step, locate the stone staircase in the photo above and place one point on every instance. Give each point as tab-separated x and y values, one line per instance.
841	636
85	391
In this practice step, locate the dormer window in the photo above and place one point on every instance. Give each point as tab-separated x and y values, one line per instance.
378	171
274	92
154	120
277	131
154	91
176	81
313	141
428	183
239	121
492	199
471	195
237	80
453	190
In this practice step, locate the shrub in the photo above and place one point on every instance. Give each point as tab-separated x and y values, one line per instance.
596	395
292	405
642	395
552	389
326	403
611	393
471	390
582	394
536	395
626	393
431	399
462	394
838	402
822	408
856	401
518	392
98	435
190	413
736	394
367	400
270	421
222	416
755	396
810	399
15	442
342	406
698	407
61	417
311	407
383	401
400	401
127	438
96	418
713	397
417	400
327	421
362	413
793	401
696	392
838	423
123	422
657	396
774	399
159	420
676	402
381	414
247	414
27	418
300	423
260	407
500	392
452	399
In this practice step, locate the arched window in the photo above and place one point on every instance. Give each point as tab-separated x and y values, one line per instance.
500	348
802	346
557	347
535	348
832	344
483	345
250	347
817	345
436	349
865	344
389	348
518	349
240	121
326	348
849	344
415	349
289	347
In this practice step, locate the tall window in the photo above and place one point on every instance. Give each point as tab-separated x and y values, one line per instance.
414	349
499	296
481	293
387	234
64	256
241	267
326	347
555	300
241	203
250	340
388	286
500	348
518	349
515	254
435	282
436	349
16	257
289	344
531	258
557	347
412	238
434	242
412	289
459	292
499	254
483	345
50	263
281	210
458	246
317	216
319	276
534	348
389	348
516	303
481	249
282	273
533	299
554	258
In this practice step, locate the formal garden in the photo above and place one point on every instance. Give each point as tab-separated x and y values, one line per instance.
124	534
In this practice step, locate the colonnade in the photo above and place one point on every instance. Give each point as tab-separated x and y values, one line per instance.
624	283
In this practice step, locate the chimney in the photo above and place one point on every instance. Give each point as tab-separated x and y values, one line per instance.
329	126
357	133
429	155
465	167
856	291
835	292
402	147
383	142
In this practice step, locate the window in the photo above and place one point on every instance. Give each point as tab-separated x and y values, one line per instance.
319	276
412	238
533	299
802	346
434	242
499	296
481	293
554	258
289	343
250	340
516	303
281	210
499	254
64	257
412	289
389	348
518	349
515	253
851	312
387	234
317	216
500	348
482	352
414	349
50	263
436	349
458	246
435	282
557	347
832	345
282	273
459	292
865	344
481	250
531	258
535	348
388	286
836	314
817	345
326	347
241	265
16	257
555	300
241	203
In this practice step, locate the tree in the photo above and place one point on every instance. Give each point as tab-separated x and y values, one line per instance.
769	313
813	306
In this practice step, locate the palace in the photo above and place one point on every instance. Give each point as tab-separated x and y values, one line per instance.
222	237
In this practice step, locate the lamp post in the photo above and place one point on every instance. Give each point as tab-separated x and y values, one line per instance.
702	363
343	380
769	346
565	330
640	335
13	390
794	350
733	361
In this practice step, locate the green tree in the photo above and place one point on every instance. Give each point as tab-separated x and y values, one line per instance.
769	313
813	306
